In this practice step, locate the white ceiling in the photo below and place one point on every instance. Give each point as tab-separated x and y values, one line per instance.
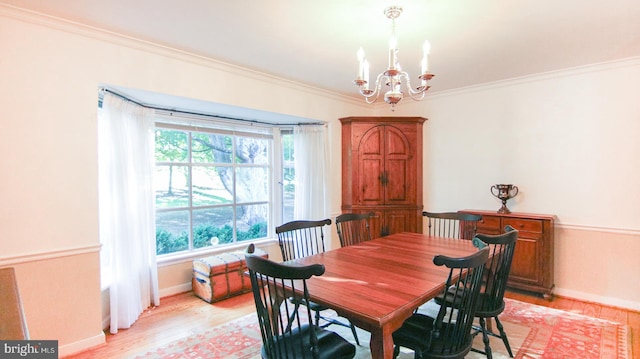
315	42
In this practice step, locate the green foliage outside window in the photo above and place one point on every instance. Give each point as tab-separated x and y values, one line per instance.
166	243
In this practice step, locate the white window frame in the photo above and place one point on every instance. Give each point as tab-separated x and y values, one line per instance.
200	123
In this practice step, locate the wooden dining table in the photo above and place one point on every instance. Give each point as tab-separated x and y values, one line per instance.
378	284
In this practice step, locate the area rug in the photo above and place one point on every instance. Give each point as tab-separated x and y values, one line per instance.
534	332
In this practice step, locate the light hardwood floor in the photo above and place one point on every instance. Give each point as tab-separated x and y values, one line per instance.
184	314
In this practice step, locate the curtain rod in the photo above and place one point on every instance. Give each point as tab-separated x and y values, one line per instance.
170	110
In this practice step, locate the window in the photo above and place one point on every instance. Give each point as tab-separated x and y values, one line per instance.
214	187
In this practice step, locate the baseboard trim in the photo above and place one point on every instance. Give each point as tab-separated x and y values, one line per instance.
106	322
587	297
181	288
82	345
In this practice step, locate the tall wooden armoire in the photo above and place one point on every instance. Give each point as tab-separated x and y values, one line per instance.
382	171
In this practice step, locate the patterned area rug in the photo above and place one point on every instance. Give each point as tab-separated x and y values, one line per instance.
534	332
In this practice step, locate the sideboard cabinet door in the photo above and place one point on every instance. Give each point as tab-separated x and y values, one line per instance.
532	266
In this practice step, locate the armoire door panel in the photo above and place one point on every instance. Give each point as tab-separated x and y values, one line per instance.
396	185
370	181
398	221
396	142
371	163
376	223
372	142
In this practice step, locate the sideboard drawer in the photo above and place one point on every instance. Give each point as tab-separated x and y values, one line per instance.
528	225
489	222
489	225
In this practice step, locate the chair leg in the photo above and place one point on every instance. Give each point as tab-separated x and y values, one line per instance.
485	338
355	335
503	335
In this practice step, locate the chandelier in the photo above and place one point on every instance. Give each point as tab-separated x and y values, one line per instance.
393	77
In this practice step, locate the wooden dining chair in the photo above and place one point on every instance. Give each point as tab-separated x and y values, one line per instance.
302	238
288	331
449	334
491	299
491	303
452	224
353	228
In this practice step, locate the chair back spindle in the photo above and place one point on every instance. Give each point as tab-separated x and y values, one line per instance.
353	228
299	239
452	224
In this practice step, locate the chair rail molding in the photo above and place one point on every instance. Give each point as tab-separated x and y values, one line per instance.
601	229
40	256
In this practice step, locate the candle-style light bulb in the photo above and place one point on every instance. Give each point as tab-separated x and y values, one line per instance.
393	43
360	63
426	49
366	74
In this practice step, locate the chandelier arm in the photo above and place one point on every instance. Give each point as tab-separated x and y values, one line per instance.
407	81
369	100
417	94
373	96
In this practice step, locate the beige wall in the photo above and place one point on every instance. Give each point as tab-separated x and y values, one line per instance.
51	72
567	140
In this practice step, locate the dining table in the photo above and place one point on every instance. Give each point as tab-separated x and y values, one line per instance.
378	284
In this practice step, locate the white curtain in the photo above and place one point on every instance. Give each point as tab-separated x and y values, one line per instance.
127	208
311	166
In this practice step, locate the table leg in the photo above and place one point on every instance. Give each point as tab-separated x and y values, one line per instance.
381	344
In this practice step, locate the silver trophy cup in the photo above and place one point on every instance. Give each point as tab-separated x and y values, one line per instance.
504	192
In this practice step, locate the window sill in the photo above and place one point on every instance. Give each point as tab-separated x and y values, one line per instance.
173	259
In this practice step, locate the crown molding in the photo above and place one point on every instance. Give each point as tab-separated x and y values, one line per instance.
562	73
118	39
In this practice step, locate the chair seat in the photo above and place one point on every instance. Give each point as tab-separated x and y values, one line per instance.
486	305
491	309
415	335
313	305
330	344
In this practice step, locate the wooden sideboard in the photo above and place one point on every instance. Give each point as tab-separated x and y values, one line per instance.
532	266
382	171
